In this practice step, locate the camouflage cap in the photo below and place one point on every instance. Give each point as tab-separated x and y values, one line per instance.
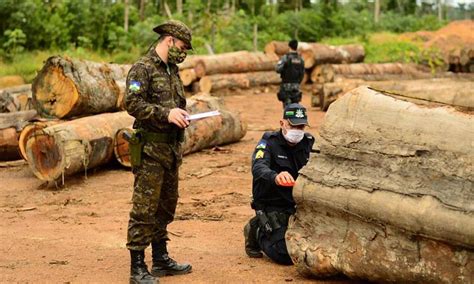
177	29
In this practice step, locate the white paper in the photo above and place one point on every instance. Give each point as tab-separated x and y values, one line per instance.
203	115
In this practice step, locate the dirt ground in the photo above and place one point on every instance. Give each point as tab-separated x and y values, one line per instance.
77	233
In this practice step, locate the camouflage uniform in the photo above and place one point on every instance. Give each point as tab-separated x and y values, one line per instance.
154	88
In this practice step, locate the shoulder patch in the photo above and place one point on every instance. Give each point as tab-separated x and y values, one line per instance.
262	144
259	154
134	86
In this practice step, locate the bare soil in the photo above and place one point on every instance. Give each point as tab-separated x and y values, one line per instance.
77	233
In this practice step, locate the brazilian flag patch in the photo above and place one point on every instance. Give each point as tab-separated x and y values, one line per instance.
134	86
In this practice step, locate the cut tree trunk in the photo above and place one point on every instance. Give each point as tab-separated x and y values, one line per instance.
378	71
201	134
9	144
236	62
15	98
29	131
281	48
68	87
77	145
238	81
390	196
190	61
188	76
11	81
456	92
318	54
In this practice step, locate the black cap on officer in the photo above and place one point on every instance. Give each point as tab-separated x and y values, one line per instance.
295	114
176	29
293	44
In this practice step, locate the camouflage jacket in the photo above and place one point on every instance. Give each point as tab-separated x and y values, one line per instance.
153	89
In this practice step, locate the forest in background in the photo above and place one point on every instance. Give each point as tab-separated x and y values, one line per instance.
120	30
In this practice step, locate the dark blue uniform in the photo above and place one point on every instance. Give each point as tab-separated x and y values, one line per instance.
273	155
291	69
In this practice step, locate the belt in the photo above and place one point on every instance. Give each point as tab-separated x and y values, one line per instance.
171	137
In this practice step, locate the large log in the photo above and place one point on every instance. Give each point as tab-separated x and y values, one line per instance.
68	87
11	81
453	91
281	48
317	54
188	76
16	98
390	196
77	145
201	134
367	71
215	82
236	62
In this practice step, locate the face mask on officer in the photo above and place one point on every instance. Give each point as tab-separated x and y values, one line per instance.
292	135
175	54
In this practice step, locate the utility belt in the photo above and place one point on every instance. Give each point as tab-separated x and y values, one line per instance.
139	137
269	222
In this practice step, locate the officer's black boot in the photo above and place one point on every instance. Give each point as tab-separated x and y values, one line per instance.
139	271
252	247
163	264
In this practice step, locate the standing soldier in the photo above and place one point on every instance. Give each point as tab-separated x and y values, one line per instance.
276	161
155	97
291	69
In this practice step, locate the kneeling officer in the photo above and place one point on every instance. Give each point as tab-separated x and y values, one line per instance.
276	161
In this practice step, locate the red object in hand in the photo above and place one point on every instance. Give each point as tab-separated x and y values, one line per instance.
287	184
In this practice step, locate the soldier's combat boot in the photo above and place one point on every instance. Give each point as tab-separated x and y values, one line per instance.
165	265
139	271
252	247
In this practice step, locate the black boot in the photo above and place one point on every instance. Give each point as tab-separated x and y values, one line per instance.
139	271
252	247
163	264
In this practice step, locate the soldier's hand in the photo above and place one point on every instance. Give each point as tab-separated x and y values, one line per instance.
284	179
179	117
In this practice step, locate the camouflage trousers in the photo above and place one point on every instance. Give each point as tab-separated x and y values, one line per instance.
155	196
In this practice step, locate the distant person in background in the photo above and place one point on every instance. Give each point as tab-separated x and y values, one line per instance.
291	69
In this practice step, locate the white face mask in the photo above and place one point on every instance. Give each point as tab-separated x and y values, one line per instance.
294	136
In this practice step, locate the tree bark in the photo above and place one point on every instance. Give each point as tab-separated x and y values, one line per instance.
455	92
15	98
16	119
215	82
369	71
68	87
201	134
390	196
235	62
77	145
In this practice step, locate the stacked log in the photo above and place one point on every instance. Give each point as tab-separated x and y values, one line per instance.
11	125
316	53
247	80
319	54
73	146
16	98
201	134
29	131
68	87
237	62
370	72
390	196
454	91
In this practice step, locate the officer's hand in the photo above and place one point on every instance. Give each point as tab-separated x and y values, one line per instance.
178	117
284	179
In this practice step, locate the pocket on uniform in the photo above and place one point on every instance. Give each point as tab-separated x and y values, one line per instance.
160	152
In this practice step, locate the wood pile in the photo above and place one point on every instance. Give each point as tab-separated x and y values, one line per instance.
390	196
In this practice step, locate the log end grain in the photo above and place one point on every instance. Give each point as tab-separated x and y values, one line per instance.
44	156
54	93
121	150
